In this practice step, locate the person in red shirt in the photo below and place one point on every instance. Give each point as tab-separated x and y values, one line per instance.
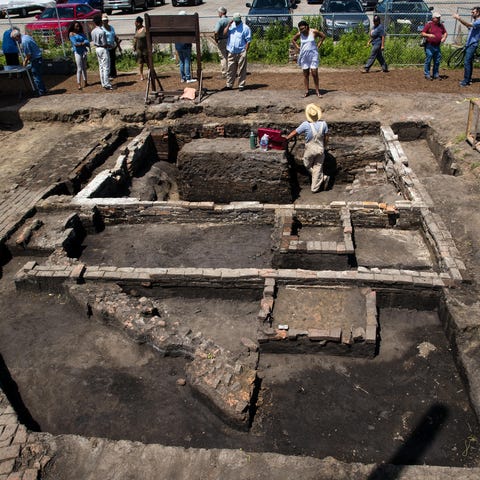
435	34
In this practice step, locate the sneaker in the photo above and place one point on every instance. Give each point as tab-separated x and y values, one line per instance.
428	77
463	84
192	80
182	80
386	71
241	89
365	70
108	87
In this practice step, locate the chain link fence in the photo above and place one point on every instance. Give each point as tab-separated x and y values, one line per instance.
403	20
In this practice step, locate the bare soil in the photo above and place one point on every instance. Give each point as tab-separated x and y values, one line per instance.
407	405
265	77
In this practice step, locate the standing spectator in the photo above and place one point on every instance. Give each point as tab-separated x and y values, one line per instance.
377	41
113	43
80	46
10	47
184	51
140	45
316	138
308	58
221	39
239	37
471	45
435	34
31	55
99	39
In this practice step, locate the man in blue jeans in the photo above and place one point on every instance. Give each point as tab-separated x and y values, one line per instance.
471	45
33	56
434	34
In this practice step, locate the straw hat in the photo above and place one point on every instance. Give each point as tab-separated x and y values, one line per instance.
313	112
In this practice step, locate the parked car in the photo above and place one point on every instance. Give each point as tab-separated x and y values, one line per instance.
340	17
22	11
403	15
185	3
127	6
264	12
49	28
98	4
369	4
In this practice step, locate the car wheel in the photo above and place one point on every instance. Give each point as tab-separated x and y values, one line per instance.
174	3
145	5
23	12
108	11
132	6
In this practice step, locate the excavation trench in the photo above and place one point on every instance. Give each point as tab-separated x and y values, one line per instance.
244	312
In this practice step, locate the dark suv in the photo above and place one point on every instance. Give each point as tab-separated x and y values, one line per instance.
404	16
264	12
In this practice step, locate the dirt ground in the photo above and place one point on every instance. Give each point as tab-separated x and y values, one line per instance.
407	405
261	77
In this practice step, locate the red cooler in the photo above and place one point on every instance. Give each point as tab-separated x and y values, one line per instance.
275	142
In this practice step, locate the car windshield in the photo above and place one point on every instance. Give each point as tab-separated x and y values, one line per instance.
345	7
63	12
410	7
269	4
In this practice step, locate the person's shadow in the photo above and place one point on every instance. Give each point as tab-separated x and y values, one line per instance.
415	446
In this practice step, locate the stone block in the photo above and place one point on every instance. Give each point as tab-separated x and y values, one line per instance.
234	172
371	334
316	335
8	453
30	474
250	344
6	466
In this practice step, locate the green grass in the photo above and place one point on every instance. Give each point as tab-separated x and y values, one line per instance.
273	47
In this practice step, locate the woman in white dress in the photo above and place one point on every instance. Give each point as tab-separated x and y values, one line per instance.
308	58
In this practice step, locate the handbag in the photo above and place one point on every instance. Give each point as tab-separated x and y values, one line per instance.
314	149
423	42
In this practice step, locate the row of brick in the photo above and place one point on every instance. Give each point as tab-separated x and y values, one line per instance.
82	273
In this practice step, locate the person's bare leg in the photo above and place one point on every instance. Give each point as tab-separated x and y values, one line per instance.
306	74
315	81
141	72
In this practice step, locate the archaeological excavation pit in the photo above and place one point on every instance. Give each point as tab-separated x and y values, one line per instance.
238	314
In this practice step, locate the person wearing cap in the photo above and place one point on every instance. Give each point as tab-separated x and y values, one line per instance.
471	44
377	41
184	51
99	39
308	58
31	55
435	34
221	39
113	43
239	37
315	130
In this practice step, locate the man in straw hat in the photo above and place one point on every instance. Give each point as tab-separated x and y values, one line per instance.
316	138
